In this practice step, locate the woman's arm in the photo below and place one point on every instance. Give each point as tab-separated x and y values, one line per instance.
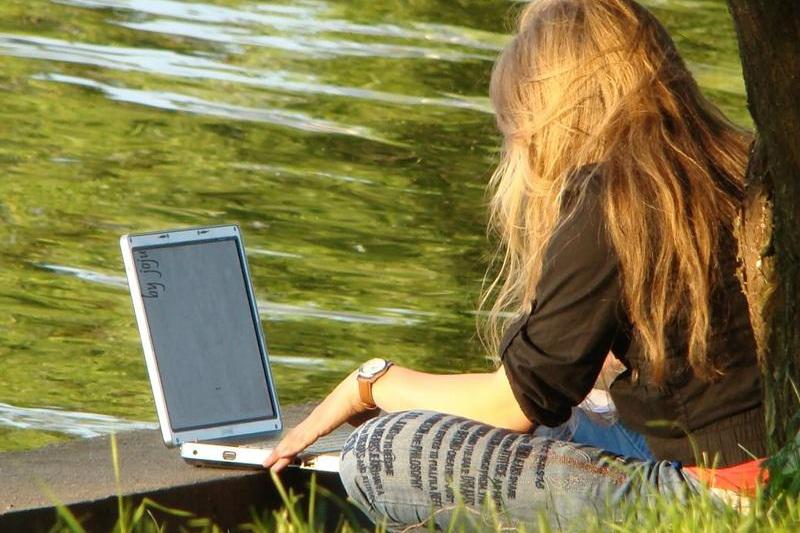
486	397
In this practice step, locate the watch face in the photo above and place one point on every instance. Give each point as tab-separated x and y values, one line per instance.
372	367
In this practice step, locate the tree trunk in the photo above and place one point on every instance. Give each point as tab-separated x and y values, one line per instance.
769	228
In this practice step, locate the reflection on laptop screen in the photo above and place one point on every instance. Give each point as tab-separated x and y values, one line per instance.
204	333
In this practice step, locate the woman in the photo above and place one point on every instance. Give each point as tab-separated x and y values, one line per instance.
614	202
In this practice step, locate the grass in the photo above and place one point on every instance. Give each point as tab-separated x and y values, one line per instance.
698	515
776	509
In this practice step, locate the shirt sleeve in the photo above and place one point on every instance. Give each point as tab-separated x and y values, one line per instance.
553	356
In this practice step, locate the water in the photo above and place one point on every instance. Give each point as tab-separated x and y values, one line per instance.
352	141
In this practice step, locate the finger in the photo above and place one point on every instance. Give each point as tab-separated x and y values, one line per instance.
293	443
280	464
271	458
286	449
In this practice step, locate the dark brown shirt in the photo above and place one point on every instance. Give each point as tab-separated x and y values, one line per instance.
552	357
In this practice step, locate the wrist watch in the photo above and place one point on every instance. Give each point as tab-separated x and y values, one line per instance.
368	373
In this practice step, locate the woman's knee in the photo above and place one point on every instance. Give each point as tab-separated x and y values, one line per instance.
379	466
350	460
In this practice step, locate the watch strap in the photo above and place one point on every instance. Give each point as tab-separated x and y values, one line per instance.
365	393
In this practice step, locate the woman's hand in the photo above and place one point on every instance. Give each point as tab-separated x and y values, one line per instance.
340	406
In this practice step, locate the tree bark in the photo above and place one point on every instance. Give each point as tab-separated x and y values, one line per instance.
769	227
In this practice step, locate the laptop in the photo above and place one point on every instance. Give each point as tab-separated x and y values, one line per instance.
205	351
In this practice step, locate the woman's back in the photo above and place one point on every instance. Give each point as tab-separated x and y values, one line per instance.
579	316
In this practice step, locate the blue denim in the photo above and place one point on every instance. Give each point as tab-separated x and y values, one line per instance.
409	468
611	437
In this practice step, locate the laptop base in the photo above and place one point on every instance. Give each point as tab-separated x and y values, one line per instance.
322	455
222	456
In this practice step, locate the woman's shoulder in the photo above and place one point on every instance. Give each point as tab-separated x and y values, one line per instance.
586	179
581	194
580	236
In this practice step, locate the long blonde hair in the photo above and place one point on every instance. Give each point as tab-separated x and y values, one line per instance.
600	82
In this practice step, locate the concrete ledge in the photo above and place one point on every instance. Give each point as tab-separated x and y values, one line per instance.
80	474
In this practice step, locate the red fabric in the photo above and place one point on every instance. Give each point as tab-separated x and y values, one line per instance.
743	478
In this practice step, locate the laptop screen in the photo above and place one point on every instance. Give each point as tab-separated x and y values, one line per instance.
204	333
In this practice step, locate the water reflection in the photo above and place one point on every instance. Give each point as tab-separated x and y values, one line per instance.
77	424
273	253
174	64
306	18
319	48
188	104
269	310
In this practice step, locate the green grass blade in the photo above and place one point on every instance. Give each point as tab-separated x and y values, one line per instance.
122	520
69	519
288	504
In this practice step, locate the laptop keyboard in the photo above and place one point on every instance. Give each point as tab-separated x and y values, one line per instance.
332	442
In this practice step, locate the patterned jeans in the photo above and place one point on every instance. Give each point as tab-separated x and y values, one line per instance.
406	468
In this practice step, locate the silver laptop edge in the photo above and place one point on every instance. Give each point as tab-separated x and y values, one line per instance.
241	457
234	430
